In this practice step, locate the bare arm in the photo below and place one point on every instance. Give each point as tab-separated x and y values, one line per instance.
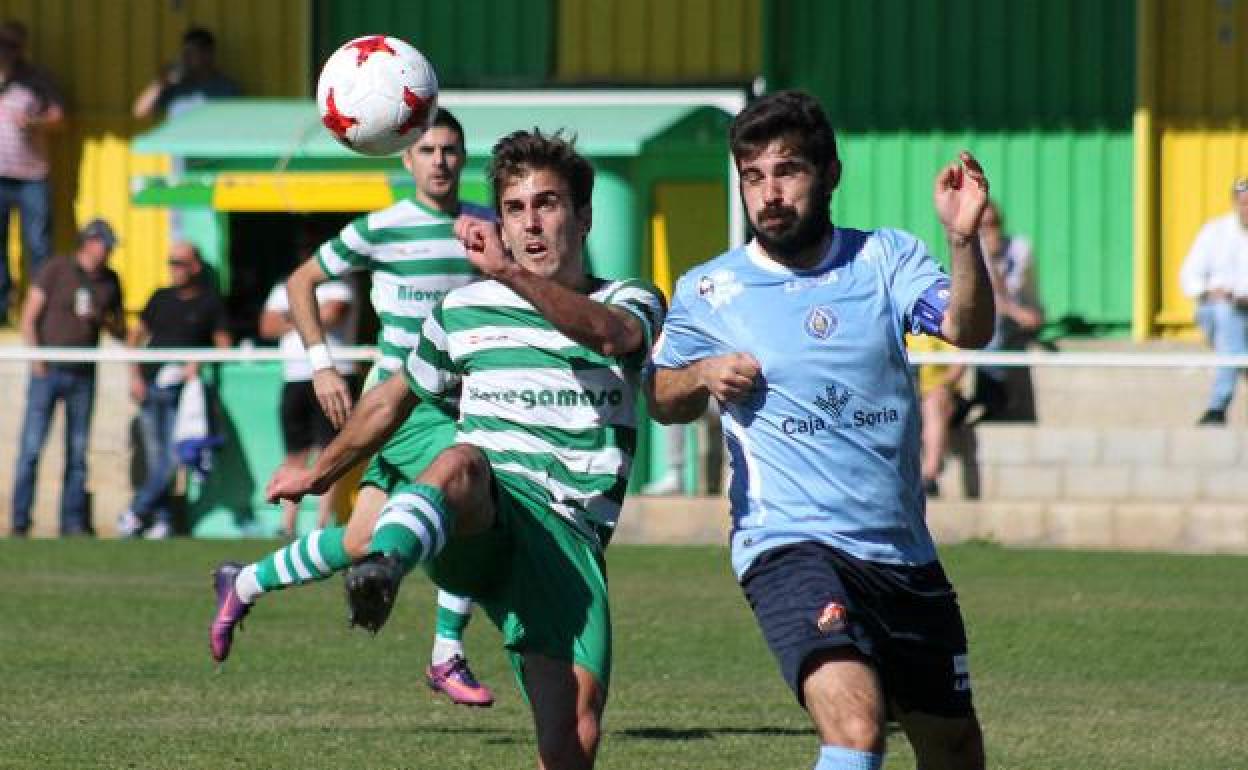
332	391
273	325
334	312
115	323
681	395
606	330
301	288
611	331
960	196
50	119
145	103
380	412
136	337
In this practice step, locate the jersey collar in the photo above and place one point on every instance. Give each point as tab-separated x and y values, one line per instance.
431	211
755	254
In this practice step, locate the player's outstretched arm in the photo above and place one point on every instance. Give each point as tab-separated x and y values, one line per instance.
607	330
331	388
960	196
380	412
680	395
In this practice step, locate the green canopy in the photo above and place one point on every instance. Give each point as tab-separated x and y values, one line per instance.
291	128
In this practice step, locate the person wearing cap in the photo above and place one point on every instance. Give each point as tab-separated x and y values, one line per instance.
30	109
70	301
188	313
1215	274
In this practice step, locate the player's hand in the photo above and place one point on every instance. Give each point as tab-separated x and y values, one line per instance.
729	378
484	245
464	223
960	196
333	395
289	482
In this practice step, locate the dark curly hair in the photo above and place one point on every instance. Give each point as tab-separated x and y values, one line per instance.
523	152
794	116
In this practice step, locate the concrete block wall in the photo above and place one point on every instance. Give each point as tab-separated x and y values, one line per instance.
108	455
1015	462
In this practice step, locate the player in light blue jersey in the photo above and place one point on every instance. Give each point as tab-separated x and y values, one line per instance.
799	336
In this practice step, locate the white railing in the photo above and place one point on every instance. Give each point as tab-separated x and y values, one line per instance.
1085	359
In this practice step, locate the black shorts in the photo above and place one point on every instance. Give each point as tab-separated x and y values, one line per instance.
304	424
810	597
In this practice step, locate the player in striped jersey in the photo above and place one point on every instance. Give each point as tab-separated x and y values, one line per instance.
411	251
546	361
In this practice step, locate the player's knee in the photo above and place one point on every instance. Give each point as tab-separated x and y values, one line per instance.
845	718
356	543
860	731
459	466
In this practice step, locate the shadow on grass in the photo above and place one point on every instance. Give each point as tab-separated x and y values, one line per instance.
704	733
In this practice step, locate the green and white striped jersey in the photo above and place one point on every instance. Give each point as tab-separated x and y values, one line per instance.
540	405
415	260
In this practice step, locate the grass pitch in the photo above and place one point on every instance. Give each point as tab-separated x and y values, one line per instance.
1079	660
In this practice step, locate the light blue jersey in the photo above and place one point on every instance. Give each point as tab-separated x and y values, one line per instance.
827	448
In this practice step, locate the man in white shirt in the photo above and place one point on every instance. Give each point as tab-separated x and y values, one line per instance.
304	426
1215	274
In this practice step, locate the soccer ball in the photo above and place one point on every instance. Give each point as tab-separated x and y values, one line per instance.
377	94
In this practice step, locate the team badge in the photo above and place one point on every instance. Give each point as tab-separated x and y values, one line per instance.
706	286
832	618
821	322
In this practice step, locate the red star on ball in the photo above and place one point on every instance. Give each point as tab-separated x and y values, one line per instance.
334	120
367	46
419	115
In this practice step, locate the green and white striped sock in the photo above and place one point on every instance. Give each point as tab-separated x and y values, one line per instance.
454	612
315	556
414	524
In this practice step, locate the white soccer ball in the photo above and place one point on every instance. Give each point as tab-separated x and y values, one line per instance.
377	94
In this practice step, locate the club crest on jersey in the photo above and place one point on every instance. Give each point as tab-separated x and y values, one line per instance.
832	618
821	322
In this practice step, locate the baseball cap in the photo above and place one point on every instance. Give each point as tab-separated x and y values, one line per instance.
101	229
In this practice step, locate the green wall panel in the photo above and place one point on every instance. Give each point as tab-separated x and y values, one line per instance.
470	42
1068	193
956	64
1041	90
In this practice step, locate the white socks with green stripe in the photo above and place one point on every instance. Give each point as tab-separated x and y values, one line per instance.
315	556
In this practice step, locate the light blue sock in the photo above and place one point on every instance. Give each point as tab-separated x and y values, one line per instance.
839	758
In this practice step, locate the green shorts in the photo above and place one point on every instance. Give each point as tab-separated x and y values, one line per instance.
426	432
543	583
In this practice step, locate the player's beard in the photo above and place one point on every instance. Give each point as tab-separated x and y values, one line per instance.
805	232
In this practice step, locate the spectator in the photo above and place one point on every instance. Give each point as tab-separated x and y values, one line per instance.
1006	394
188	82
304	425
30	108
186	314
1215	274
71	299
939	400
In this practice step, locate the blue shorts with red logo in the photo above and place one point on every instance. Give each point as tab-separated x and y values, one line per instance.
809	597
